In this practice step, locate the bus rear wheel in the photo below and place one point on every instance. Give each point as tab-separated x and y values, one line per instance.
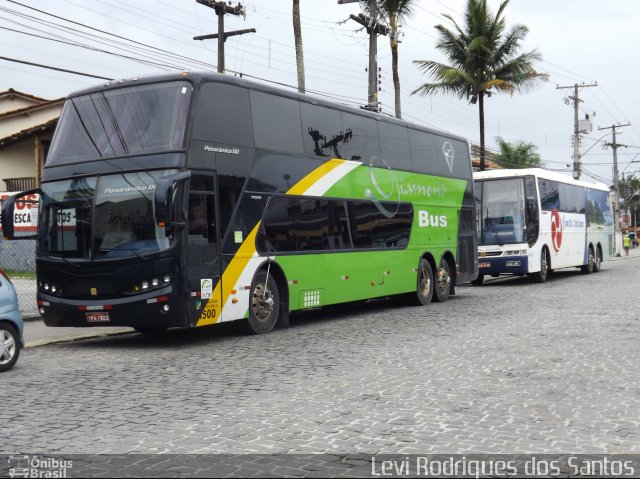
597	266
265	303
591	263
426	283
443	282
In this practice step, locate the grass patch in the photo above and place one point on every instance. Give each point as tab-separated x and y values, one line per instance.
20	274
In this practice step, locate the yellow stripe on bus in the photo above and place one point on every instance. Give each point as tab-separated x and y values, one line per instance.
212	310
308	181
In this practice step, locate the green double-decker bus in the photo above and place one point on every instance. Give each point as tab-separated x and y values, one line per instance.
192	199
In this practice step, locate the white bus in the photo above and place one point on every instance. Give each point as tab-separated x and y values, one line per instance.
532	221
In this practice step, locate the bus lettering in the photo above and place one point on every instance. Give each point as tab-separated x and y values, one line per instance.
426	220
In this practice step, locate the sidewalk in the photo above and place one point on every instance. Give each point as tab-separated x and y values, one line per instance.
37	334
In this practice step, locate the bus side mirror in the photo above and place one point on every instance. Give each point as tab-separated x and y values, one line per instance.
166	188
8	216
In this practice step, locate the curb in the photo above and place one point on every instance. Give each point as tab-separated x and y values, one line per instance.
76	337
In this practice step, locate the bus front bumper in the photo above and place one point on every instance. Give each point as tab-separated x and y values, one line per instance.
503	265
155	309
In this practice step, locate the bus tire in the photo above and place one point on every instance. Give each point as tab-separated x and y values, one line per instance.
426	283
478	281
597	266
591	261
264	307
541	276
443	282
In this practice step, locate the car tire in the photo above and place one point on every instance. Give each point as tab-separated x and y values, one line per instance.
9	346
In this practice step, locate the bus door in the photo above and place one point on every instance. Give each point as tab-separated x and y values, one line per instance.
203	249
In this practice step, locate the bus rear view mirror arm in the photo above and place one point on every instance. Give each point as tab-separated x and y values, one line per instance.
166	188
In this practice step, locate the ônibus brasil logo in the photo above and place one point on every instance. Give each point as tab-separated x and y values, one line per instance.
556	230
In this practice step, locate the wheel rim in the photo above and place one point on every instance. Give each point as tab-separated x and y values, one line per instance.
425	281
262	303
7	347
444	277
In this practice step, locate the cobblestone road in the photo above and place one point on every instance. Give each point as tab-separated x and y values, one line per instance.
510	367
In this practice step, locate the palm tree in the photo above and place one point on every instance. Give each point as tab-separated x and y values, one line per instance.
297	33
393	12
484	59
517	155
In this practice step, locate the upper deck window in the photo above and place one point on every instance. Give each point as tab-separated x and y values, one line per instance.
126	121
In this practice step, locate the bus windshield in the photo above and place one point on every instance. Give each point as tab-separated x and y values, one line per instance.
101	218
135	120
502	210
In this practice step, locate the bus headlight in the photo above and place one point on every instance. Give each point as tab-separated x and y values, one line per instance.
154	283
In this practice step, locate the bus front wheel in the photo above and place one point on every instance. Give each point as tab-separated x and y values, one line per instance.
478	281
426	283
541	276
265	303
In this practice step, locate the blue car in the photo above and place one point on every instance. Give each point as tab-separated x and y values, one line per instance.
11	325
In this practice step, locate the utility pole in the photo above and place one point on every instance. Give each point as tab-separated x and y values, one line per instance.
221	9
373	29
616	186
576	125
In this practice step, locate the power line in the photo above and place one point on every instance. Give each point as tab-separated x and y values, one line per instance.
54	68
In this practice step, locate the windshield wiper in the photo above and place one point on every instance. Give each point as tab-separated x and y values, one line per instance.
496	237
133	250
75	265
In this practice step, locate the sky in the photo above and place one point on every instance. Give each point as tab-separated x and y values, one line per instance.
581	41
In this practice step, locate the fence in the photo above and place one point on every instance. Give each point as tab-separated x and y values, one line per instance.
17	260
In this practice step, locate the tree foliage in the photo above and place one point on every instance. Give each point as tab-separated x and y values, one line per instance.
484	58
517	155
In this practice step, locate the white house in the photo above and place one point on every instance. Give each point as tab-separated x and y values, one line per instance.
26	127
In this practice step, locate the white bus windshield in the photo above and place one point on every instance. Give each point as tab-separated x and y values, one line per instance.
503	213
135	120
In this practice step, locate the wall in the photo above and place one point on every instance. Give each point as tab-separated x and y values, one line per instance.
17	161
15	124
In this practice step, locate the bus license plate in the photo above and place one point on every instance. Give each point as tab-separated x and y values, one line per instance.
98	317
484	265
